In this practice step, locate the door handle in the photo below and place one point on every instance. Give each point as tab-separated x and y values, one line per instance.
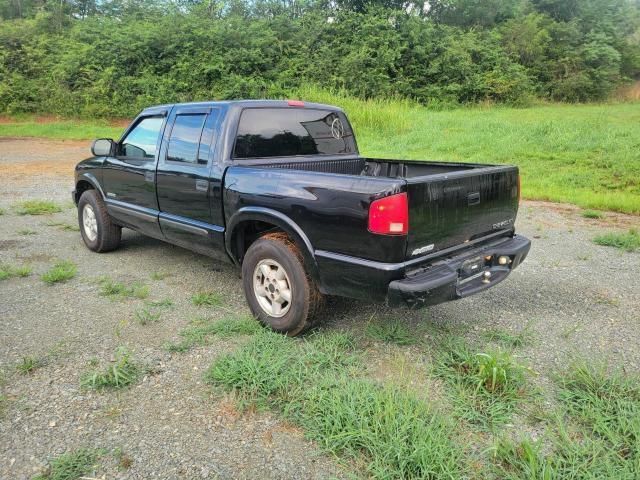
202	185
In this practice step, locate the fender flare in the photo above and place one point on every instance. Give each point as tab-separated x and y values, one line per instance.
279	219
88	177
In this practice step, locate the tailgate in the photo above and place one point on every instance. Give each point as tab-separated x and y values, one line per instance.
449	209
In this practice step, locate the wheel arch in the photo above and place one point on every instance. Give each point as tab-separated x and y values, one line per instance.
246	225
85	182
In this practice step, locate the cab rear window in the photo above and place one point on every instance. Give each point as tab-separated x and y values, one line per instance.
288	132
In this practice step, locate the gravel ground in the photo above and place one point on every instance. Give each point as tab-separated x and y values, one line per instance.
576	299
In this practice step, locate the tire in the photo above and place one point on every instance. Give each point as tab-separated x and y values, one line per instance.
101	234
273	266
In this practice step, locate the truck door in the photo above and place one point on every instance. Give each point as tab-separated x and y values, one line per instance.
183	180
129	176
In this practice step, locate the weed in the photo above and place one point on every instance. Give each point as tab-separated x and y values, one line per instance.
8	271
159	275
26	231
61	272
200	331
145	316
507	339
629	241
110	288
592	214
65	227
71	466
120	373
209	299
37	207
29	365
124	461
395	434
391	331
485	388
2	211
166	303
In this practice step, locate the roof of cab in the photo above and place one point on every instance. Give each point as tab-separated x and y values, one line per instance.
245	104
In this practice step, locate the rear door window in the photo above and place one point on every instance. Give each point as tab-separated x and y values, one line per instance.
184	141
287	132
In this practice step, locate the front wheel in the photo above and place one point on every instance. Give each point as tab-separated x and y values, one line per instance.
99	233
278	289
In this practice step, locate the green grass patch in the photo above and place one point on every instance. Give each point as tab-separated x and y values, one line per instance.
29	365
120	373
507	339
165	303
592	214
201	330
629	241
62	129
37	207
113	289
157	276
72	466
65	227
485	388
2	212
208	299
391	331
61	272
313	383
7	271
145	316
26	231
595	434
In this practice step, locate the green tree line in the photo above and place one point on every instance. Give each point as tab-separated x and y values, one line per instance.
113	57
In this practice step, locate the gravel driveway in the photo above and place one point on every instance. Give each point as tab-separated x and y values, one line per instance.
576	298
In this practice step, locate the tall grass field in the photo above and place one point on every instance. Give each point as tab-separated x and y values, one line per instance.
588	155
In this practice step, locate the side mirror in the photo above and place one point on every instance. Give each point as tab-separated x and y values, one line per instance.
103	147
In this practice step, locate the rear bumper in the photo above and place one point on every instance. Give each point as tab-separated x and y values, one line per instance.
447	279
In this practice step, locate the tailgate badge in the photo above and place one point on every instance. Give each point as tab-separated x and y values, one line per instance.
424	249
504	223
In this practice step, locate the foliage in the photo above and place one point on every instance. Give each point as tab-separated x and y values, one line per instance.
209	299
37	207
120	373
629	241
61	272
200	331
112	58
111	288
391	331
29	365
71	466
8	271
389	430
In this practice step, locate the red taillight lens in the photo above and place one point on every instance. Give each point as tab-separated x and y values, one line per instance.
295	103
389	215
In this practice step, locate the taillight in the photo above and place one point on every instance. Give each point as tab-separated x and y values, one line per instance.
295	103
390	215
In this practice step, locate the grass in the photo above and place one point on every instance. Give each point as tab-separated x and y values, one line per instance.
314	383
485	388
8	271
201	330
165	303
391	331
65	227
581	154
595	434
122	372
145	316
61	272
629	241
27	231
157	276
507	339
37	207
29	365
72	466
592	214
113	289
209	299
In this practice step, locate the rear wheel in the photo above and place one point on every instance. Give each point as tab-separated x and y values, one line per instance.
278	289
99	233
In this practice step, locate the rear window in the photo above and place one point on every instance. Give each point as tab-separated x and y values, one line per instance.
287	132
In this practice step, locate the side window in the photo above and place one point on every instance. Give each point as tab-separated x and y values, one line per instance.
141	142
184	141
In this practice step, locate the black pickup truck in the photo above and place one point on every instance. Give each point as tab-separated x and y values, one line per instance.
278	189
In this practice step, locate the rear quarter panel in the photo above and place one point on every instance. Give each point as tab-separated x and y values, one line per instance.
331	209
